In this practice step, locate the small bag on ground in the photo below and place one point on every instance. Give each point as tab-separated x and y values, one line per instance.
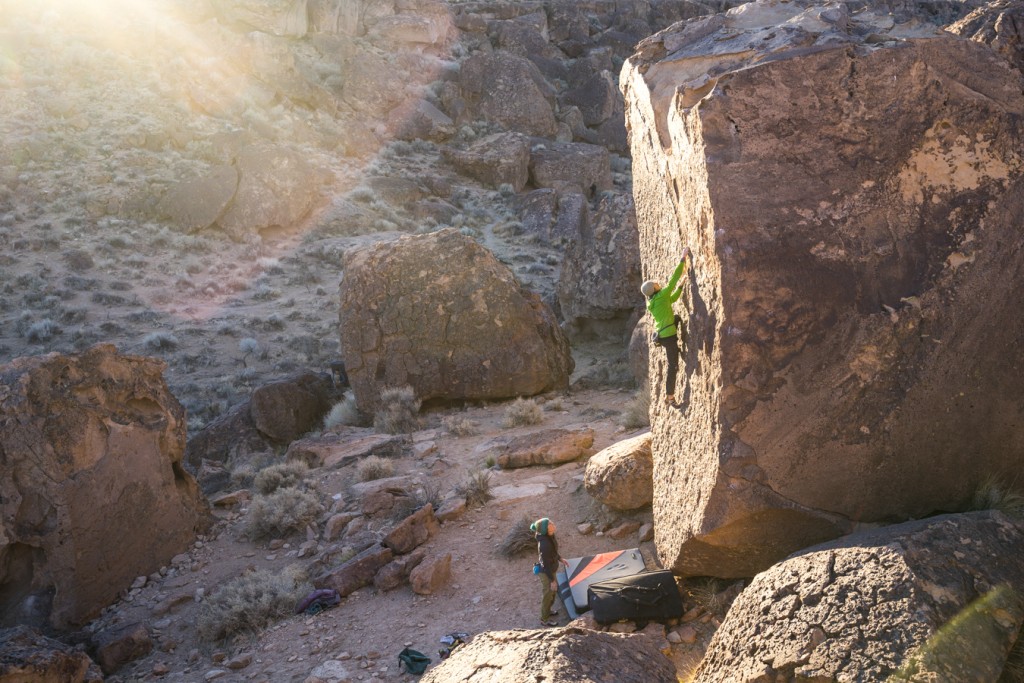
415	661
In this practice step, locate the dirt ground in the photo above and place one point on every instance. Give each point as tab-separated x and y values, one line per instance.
370	627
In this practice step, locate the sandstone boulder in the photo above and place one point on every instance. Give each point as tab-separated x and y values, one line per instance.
93	492
431	574
998	24
412	31
345	446
439	313
597	98
584	166
27	655
564	655
503	158
542	447
554	217
621	476
194	205
120	645
933	597
276	188
413	531
420	120
285	410
600	277
509	90
395	573
356	572
843	283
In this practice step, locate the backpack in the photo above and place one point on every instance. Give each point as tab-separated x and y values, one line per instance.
415	662
680	330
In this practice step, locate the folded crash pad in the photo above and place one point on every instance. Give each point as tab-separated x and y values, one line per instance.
574	580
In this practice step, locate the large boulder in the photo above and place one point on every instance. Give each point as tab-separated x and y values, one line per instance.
999	24
849	203
276	188
509	90
564	655
27	655
621	475
933	600
439	313
503	158
543	447
93	492
196	204
585	166
600	277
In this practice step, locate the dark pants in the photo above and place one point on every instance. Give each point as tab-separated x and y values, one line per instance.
671	346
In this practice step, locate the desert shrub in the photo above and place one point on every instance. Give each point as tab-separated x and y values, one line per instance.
637	412
282	513
375	467
249	603
78	260
344	412
518	540
555	405
160	341
523	412
710	595
459	426
397	411
282	475
42	331
992	494
476	489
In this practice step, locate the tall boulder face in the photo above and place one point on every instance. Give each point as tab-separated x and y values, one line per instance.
439	313
92	489
854	206
937	597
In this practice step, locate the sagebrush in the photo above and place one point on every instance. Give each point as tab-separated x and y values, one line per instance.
282	513
397	412
523	411
375	467
476	489
637	413
518	539
343	413
249	603
283	475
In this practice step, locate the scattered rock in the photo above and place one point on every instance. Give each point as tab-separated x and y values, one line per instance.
451	508
118	646
510	90
431	574
543	447
621	476
357	572
413	531
396	572
623	530
345	446
331	671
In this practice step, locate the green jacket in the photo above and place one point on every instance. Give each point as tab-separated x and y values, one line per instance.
660	305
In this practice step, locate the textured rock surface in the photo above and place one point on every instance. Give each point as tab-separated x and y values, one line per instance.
565	655
28	656
585	166
998	24
356	572
621	476
860	607
849	184
431	574
439	313
413	531
117	646
600	276
92	488
508	89
285	410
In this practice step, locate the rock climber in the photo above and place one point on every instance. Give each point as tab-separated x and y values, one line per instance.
546	568
666	322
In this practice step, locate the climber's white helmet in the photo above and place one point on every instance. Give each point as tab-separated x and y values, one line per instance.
650	288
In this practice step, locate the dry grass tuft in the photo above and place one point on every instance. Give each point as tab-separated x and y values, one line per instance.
638	411
397	412
457	425
518	540
523	412
283	475
249	603
375	467
476	489
992	494
282	513
343	413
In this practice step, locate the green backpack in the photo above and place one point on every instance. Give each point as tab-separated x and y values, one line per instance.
415	662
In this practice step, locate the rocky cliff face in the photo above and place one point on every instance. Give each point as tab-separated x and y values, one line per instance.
92	489
850	181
